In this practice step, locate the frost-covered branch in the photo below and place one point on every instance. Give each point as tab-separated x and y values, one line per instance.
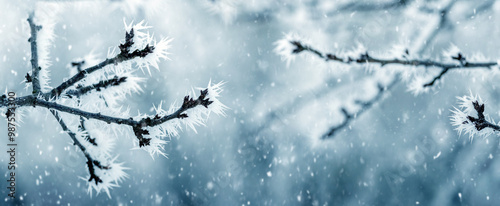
88	100
292	45
364	6
85	133
464	119
188	103
438	77
103	84
365	105
90	161
35	68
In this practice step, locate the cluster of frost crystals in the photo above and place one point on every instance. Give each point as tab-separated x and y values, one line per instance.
44	42
226	9
45	16
285	48
141	39
460	117
417	77
107	101
196	116
143	7
111	177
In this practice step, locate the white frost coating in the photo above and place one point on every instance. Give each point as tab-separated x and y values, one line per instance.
416	84
98	137
355	53
142	7
114	172
110	177
284	47
398	51
226	9
460	120
172	127
198	115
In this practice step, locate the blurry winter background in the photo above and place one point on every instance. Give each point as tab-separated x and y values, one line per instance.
268	149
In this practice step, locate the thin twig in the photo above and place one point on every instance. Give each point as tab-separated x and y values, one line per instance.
115	81
480	122
35	68
443	22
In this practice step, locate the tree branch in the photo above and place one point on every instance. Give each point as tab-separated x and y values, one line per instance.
366	58
80	91
35	68
136	125
90	161
363	6
480	122
420	47
81	137
78	65
83	129
123	56
365	105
